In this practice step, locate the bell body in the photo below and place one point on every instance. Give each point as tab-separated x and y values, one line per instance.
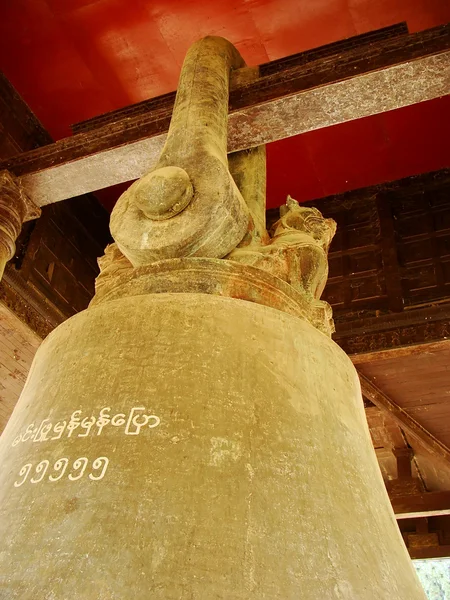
194	446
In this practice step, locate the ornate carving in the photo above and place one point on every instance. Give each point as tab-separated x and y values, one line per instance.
112	264
173	224
15	209
297	250
217	277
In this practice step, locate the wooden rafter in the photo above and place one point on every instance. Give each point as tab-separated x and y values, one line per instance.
400	351
295	98
405	421
429	552
428	504
408	332
242	77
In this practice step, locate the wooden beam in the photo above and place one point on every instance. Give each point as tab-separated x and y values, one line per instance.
404	333
400	351
405	421
357	83
428	504
441	551
20	130
363	42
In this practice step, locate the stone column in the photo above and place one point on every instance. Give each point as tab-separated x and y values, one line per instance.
196	433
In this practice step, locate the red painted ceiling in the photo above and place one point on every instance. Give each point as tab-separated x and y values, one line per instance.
74	59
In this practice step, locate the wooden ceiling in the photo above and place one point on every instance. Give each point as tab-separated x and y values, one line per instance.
406	380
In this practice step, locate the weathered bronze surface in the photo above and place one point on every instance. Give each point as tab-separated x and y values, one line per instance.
190	444
189	205
196	433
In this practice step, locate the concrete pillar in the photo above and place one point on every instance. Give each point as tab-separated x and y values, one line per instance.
196	433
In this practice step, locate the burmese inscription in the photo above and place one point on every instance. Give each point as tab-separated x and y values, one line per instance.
59	468
76	426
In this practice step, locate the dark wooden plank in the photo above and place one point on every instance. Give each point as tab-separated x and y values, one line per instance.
428	504
335	48
8	147
18	121
371	335
366	276
341	66
30	305
52	274
424	552
389	254
386	231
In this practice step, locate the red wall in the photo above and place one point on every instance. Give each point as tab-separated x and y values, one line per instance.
74	59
